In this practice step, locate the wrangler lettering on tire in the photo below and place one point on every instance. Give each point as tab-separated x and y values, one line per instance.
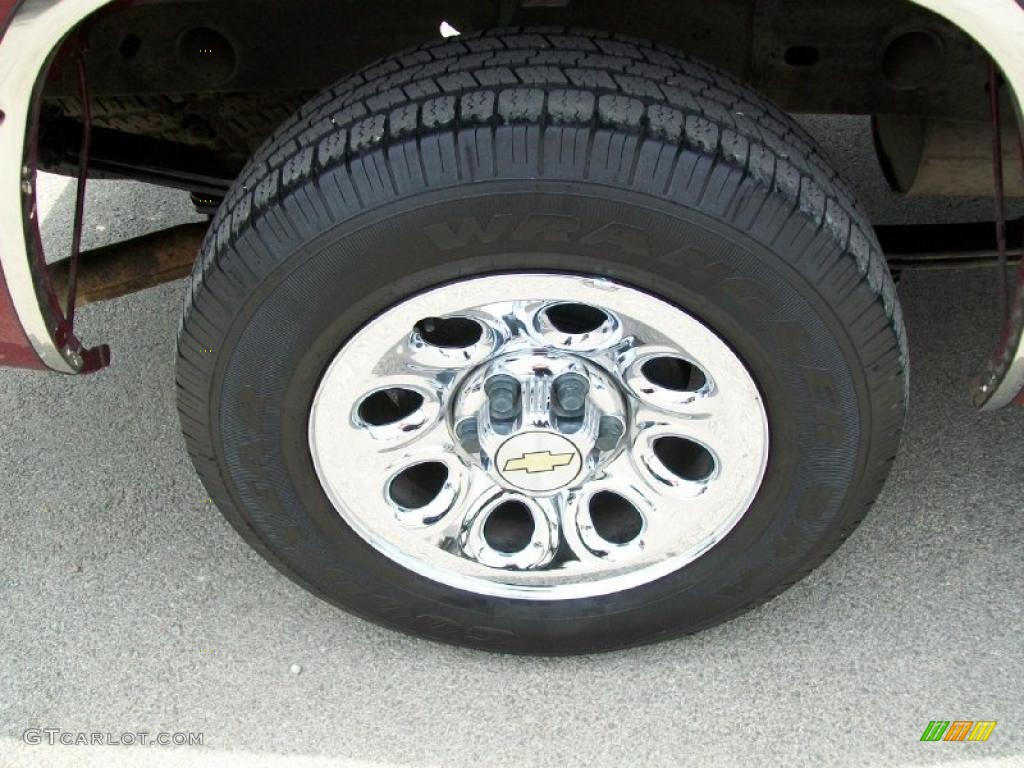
542	341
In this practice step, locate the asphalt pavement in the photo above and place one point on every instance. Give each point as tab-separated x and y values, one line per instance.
127	604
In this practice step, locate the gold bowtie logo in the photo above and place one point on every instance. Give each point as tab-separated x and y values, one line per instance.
541	461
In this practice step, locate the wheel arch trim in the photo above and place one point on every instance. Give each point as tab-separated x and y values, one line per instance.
34	32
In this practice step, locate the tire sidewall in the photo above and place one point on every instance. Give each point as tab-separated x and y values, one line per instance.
284	335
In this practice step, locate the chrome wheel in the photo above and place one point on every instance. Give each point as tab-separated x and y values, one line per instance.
539	436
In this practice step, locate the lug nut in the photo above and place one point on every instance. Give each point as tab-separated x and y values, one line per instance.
469	436
503	392
609	433
570	394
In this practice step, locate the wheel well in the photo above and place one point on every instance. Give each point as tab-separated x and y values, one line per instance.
183	93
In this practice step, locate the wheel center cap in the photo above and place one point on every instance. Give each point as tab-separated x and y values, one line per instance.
539	421
538	461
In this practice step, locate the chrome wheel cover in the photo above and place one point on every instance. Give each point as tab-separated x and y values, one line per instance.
539	436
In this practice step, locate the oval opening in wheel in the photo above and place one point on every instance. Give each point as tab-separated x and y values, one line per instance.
449	332
615	519
387	406
684	458
674	373
417	486
509	527
576	319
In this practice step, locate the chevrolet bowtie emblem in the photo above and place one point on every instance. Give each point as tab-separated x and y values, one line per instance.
541	461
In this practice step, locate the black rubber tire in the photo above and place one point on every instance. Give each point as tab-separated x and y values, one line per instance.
673	178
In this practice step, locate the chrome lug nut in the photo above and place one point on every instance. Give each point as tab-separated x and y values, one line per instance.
469	435
609	433
504	395
570	395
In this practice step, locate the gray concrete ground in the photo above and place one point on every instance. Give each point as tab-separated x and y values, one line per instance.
127	603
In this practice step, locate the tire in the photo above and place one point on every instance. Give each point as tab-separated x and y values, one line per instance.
435	166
